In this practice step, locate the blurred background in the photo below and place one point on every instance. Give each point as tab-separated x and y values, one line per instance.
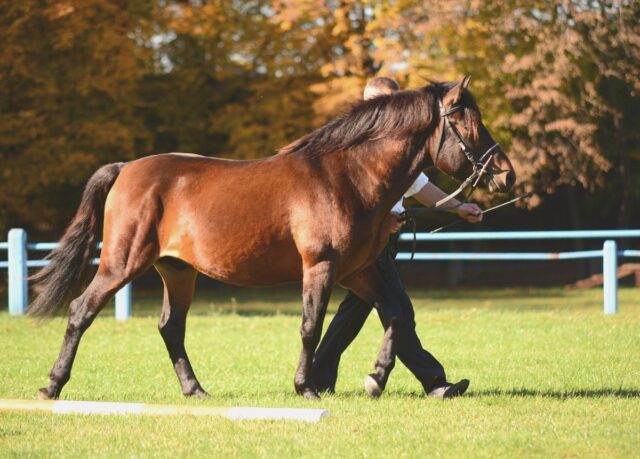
88	82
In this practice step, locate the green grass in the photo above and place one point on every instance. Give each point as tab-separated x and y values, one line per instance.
551	376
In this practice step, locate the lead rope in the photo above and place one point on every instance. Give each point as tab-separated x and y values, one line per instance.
410	219
486	211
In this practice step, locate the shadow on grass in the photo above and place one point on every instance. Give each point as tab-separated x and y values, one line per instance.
560	395
511	393
482	293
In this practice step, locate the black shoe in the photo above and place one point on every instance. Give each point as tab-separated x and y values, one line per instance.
449	390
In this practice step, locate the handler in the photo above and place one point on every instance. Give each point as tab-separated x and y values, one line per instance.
353	312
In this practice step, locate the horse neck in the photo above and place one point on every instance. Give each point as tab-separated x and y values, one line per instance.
382	171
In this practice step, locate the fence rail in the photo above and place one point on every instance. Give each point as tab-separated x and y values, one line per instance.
18	262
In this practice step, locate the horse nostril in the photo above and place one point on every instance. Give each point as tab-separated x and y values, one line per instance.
511	179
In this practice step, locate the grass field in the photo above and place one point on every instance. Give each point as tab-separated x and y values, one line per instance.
551	376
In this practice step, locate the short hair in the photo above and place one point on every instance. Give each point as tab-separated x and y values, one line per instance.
380	86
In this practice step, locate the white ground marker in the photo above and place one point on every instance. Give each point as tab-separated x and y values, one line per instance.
110	408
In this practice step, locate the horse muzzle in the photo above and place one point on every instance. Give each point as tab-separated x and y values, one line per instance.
502	182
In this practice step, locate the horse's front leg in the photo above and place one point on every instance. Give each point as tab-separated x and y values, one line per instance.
316	289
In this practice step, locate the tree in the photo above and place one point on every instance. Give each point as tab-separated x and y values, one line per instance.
68	71
562	80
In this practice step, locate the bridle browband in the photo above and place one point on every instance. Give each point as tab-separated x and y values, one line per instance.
479	165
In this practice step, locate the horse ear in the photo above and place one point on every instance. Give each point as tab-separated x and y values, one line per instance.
454	95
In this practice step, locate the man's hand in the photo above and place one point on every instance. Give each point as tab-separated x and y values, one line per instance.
396	222
470	212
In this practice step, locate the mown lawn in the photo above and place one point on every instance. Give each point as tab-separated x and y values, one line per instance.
551	376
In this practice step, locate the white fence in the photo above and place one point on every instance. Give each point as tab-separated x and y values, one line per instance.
18	261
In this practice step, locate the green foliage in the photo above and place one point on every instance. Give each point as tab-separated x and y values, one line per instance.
550	376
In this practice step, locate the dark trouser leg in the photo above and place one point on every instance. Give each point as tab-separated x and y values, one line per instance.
424	366
344	327
350	318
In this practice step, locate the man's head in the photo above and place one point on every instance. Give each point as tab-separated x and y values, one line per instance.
380	86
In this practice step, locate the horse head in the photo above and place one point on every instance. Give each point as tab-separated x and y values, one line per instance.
465	148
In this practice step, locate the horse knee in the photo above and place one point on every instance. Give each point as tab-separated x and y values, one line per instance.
310	335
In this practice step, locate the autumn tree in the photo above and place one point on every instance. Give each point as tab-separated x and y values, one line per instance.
68	71
229	81
575	94
83	83
558	85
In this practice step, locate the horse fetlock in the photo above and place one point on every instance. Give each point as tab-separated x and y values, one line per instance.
308	392
59	377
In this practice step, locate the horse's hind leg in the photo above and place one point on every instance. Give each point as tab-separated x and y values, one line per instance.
82	311
179	283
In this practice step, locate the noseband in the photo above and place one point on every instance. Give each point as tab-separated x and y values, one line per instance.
479	165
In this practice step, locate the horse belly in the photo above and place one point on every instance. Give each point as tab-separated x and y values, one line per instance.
235	253
267	265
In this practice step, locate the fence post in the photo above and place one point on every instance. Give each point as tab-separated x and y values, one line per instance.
17	258
123	302
610	276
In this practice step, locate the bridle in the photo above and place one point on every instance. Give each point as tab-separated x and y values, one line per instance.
479	165
479	170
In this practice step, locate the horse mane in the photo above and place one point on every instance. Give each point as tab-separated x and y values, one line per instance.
389	116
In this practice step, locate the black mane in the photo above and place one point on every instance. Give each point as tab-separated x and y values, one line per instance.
391	116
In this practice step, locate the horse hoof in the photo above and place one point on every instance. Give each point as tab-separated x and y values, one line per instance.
310	394
198	392
201	393
43	394
372	387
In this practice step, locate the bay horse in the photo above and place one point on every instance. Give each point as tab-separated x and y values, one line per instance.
318	211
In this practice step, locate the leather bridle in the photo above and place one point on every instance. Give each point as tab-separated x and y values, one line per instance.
479	169
479	165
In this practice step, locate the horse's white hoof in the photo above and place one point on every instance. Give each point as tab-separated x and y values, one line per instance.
372	387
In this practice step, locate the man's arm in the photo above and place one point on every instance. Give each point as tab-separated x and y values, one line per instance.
430	194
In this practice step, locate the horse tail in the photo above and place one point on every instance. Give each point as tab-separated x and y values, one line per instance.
67	273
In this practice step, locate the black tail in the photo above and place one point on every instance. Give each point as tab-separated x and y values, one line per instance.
67	274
